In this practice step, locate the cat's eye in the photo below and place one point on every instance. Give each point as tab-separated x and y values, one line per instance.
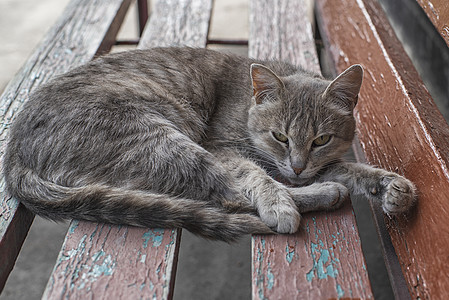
321	140
280	137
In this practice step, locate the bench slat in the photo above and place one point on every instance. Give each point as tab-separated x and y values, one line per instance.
127	262
438	13
62	48
324	259
116	262
400	129
178	23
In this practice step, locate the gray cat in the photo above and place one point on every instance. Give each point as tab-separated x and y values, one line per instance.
192	138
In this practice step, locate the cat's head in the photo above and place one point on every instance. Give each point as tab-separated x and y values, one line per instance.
303	122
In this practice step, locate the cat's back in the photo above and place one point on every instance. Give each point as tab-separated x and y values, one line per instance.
179	84
181	73
179	76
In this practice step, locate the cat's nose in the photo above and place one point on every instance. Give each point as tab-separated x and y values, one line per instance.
297	170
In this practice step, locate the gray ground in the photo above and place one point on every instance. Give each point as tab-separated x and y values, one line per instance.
206	270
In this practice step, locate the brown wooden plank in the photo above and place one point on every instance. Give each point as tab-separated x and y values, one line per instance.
324	259
114	262
62	48
400	129
438	13
104	261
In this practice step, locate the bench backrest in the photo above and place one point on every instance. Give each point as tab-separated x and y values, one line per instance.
400	129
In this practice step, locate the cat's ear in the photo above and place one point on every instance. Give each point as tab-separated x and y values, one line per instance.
346	87
265	83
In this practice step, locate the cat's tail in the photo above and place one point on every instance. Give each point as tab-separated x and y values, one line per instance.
137	208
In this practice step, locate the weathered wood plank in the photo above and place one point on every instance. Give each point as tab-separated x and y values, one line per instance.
114	262
104	261
324	259
438	13
178	23
62	48
400	129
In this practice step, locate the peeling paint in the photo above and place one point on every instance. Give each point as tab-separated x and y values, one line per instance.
104	268
340	291
260	277
323	263
143	258
96	256
270	277
73	226
155	235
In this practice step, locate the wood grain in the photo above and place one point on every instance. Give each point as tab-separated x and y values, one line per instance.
438	13
73	40
178	23
400	129
324	260
102	261
114	262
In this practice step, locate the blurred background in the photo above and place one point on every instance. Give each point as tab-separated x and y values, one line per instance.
223	270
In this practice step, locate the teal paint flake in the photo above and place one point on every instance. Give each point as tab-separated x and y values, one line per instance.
260	278
94	233
73	226
106	267
96	256
323	263
143	258
340	292
270	278
261	295
155	235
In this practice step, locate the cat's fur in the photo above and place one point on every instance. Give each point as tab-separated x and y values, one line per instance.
180	137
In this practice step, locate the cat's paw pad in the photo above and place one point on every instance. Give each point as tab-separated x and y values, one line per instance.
399	195
335	195
282	216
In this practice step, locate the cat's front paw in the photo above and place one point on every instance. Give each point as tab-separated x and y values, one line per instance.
333	196
399	195
280	215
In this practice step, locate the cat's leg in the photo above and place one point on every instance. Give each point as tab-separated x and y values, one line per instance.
272	199
396	193
319	196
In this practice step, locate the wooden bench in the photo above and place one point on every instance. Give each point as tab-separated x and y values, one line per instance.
399	128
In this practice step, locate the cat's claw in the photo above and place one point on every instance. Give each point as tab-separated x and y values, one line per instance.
399	195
